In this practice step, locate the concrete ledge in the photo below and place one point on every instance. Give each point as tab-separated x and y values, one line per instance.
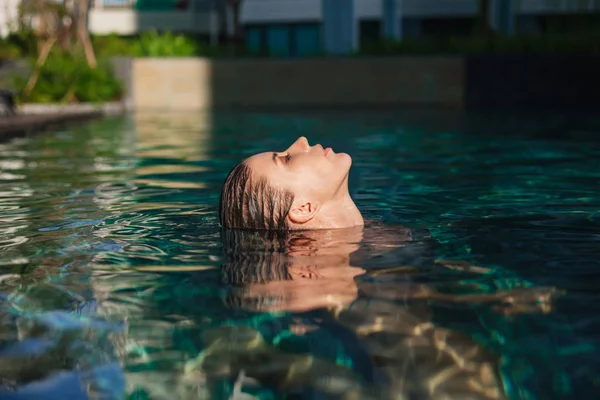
57	109
38	118
26	125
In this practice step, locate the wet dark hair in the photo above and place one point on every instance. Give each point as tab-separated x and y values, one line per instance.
254	257
249	202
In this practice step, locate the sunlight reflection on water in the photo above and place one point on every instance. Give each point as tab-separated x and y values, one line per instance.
469	281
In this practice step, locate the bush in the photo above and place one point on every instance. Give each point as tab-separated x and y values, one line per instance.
66	79
18	45
549	43
113	45
166	44
9	50
154	44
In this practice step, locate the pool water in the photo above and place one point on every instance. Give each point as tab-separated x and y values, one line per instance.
475	278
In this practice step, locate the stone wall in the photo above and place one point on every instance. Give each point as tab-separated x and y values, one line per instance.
195	83
560	82
473	82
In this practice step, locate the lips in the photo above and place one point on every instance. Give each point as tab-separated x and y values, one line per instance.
327	151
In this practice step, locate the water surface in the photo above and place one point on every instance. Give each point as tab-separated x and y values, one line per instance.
475	278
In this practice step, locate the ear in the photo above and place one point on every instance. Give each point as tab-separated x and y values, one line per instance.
303	212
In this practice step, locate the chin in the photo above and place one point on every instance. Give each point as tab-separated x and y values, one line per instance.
345	159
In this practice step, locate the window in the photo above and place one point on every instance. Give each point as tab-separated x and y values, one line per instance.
447	26
307	40
254	39
279	41
284	40
160	5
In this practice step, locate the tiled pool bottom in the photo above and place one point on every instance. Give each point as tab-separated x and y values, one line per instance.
114	285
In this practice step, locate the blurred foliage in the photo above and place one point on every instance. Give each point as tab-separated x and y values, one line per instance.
557	43
9	50
154	44
67	78
18	45
112	45
166	44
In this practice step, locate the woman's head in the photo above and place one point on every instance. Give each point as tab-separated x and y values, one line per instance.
302	187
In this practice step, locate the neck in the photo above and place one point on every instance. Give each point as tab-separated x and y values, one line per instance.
340	213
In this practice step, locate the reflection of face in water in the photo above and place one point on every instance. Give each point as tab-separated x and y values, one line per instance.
301	271
291	271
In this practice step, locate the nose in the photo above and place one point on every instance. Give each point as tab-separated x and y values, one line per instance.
301	144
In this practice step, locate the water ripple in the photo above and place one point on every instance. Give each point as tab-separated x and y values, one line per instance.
114	283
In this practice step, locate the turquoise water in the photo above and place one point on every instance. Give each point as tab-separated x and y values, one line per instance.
114	282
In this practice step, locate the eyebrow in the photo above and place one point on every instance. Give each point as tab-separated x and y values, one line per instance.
275	158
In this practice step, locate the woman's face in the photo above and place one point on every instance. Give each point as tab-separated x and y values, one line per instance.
309	172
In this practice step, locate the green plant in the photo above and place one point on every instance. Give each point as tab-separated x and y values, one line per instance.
67	78
18	45
9	50
165	44
549	43
113	45
154	44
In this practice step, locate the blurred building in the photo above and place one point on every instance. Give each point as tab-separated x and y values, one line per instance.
8	16
128	17
305	27
299	27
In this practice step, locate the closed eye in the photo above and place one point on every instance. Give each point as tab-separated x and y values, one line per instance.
276	157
